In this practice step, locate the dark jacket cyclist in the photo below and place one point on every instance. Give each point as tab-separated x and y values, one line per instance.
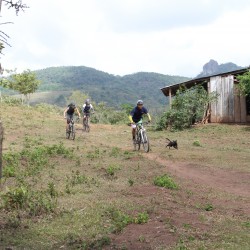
69	113
136	115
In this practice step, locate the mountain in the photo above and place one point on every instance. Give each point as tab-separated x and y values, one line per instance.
59	82
213	68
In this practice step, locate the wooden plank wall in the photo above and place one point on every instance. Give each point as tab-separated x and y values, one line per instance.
229	107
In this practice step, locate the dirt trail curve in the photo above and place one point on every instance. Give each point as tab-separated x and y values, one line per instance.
234	182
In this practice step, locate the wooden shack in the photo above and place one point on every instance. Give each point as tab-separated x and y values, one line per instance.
230	107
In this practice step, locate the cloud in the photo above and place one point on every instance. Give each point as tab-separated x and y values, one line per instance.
122	37
150	15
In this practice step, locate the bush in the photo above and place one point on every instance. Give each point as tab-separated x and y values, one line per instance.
11	101
165	181
32	202
188	107
108	115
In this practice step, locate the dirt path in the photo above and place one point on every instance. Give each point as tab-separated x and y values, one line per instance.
234	182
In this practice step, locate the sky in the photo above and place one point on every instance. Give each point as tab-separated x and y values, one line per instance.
128	36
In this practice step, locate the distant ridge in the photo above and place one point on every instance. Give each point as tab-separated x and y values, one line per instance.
213	68
104	87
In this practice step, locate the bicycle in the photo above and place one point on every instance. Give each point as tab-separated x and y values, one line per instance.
71	133
86	126
141	137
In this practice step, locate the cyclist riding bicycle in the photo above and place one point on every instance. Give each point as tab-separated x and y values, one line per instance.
136	115
69	113
86	109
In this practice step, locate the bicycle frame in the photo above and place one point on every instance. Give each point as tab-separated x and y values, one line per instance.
71	130
141	137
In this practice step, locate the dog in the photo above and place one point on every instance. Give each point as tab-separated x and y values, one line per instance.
172	144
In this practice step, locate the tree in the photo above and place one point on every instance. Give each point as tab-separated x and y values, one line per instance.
25	83
244	83
78	97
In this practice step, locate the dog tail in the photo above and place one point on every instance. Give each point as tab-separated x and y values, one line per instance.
168	139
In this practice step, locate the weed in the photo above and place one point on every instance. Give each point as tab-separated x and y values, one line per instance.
130	182
67	189
186	225
119	220
77	178
115	152
208	207
14	221
15	198
128	155
181	245
142	238
197	143
112	169
141	218
246	224
100	243
94	154
9	171
165	181
52	190
32	202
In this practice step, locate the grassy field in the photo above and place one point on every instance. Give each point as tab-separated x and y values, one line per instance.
97	193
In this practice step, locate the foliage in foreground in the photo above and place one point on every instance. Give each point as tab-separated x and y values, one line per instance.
188	107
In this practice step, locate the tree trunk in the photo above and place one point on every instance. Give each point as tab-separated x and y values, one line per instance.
1	147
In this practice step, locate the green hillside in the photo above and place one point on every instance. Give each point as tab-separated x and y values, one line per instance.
102	86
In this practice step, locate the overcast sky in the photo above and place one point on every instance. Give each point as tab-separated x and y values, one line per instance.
175	37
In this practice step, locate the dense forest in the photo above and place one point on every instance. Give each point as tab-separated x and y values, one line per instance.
104	87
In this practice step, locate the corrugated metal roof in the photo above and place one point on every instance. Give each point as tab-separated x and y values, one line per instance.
195	81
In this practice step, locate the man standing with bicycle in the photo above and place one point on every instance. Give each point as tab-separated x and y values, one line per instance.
69	113
136	115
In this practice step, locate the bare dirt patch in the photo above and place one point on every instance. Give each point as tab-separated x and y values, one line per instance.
230	181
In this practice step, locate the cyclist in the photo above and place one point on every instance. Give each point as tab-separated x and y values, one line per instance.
69	113
136	116
86	109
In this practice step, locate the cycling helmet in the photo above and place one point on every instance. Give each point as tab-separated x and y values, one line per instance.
139	102
87	102
72	104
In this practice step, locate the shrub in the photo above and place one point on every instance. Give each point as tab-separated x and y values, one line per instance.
197	143
11	101
188	107
165	181
32	202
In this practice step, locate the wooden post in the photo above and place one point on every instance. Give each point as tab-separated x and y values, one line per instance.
170	97
1	148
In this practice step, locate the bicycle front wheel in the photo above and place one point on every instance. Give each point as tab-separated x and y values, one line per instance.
137	142
87	128
67	134
145	141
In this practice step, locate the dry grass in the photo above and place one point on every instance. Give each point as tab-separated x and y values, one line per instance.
104	181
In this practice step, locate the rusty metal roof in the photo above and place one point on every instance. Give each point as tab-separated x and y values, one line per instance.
195	81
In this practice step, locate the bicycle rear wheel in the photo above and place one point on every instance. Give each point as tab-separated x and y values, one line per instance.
145	142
